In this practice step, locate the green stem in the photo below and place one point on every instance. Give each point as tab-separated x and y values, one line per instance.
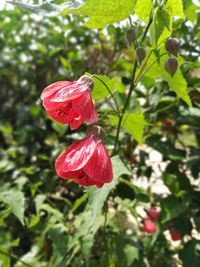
14	257
132	86
140	75
111	94
147	27
125	107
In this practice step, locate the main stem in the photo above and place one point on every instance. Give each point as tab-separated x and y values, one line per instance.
132	85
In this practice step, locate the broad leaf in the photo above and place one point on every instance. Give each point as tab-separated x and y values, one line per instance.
97	196
134	124
175	8
161	27
177	83
143	9
101	12
16	201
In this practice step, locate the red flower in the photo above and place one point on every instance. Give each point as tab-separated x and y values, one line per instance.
153	214
86	161
175	235
149	227
70	102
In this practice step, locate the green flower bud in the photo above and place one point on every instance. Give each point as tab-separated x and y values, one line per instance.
131	35
141	54
172	46
171	65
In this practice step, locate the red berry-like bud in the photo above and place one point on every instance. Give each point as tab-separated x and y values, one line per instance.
153	214
131	35
167	123
171	65
149	227
141	54
175	235
172	46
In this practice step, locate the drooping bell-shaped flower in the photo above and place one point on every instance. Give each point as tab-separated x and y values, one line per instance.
70	102
86	162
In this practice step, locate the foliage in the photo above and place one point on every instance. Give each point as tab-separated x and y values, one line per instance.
46	221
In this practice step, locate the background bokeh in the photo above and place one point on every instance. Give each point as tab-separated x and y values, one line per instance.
45	221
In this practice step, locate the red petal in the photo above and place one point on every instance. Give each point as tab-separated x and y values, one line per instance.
53	88
85	180
63	114
61	91
85	107
76	122
75	156
69	92
78	176
99	167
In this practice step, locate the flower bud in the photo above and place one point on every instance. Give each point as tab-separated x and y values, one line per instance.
85	79
172	46
131	35
153	214
149	227
171	65
141	54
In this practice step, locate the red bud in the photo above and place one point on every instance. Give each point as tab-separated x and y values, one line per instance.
175	235
153	214
149	227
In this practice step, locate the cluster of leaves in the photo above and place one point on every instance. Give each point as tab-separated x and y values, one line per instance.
48	222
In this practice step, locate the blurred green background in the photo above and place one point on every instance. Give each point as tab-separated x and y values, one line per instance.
45	221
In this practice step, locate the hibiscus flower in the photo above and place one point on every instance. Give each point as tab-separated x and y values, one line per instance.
86	162
70	102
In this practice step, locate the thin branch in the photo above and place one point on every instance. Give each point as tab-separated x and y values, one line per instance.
111	94
14	257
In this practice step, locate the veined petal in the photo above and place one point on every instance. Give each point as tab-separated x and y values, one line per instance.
69	92
75	156
99	167
85	107
53	88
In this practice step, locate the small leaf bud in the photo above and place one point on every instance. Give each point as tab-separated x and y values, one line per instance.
131	35
171	65
172	46
141	54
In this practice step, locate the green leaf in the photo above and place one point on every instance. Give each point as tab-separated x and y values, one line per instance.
100	91
162	26
134	124
43	7
175	8
177	83
16	201
190	10
190	255
143	9
98	196
79	201
101	12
